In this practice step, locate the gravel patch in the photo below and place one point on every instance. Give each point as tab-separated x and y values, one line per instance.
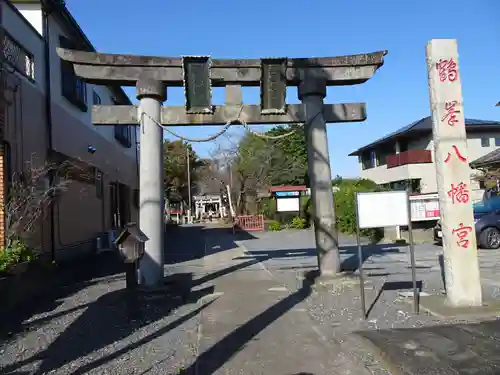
89	332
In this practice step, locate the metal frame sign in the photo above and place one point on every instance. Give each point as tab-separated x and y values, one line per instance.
382	209
379	210
197	84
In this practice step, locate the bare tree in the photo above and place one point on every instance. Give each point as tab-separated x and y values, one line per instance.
253	164
30	194
487	173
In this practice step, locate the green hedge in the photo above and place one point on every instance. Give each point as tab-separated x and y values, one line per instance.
345	208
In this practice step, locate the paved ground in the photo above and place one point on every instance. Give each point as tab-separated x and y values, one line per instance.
451	349
248	310
440	346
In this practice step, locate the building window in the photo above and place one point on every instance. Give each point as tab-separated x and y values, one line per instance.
368	160
485	142
381	158
123	134
113	205
18	57
497	141
96	99
72	87
403	146
412	186
373	159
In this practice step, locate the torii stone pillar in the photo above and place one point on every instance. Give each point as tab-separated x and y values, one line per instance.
312	91
152	94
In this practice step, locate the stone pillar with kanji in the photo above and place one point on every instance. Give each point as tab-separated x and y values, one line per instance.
461	266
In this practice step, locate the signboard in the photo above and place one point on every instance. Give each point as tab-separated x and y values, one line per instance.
424	207
288	204
197	87
287	193
382	209
273	86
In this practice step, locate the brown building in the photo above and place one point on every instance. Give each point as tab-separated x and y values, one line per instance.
46	113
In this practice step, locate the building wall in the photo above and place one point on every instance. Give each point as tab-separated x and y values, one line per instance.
427	172
81	214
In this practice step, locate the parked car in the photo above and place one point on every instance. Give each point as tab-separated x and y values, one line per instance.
486	223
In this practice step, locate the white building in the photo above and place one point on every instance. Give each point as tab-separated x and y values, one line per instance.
405	158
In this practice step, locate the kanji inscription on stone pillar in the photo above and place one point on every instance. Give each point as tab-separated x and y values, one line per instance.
463	284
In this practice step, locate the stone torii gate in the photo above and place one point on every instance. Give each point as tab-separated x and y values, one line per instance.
153	75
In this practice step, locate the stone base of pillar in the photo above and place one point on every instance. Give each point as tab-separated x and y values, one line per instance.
342	279
439	306
154	288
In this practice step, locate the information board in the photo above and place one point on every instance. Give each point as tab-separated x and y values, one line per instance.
382	209
424	207
287	204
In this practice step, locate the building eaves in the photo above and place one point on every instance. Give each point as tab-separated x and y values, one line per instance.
491	158
423	125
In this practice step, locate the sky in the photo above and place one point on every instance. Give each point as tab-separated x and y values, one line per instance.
396	95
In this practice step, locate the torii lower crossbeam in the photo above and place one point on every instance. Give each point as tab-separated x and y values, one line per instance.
250	114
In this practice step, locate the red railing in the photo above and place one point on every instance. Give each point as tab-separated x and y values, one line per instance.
249	222
409	157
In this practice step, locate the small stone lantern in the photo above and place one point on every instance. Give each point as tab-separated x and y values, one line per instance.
130	243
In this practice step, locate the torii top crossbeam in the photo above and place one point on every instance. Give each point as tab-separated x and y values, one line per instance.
95	67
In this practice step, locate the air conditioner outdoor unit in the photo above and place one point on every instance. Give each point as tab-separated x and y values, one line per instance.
112	234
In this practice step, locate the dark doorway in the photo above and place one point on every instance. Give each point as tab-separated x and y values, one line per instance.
124	204
119	195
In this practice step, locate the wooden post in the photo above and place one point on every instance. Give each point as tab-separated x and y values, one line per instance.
461	267
132	299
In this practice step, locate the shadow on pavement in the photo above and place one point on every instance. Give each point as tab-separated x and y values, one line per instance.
349	264
107	321
187	242
55	285
213	358
392	285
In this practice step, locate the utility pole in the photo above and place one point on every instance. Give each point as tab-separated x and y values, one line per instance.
231	176
189	185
